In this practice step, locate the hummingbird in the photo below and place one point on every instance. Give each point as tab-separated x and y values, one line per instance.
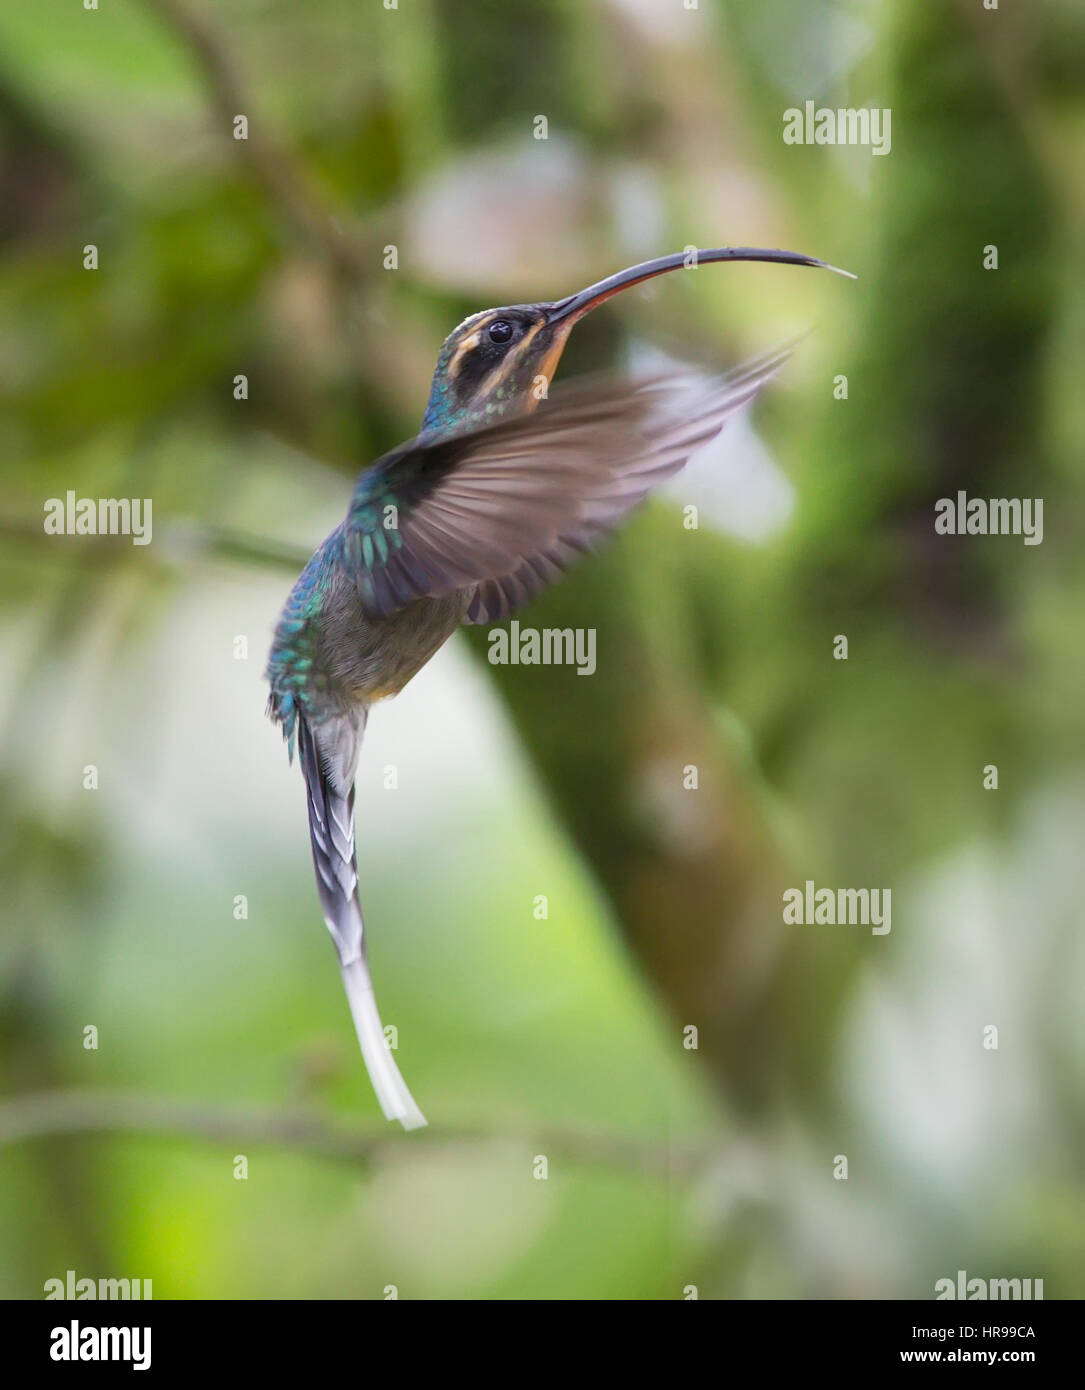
504	486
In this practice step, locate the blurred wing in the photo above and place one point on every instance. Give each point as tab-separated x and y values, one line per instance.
505	510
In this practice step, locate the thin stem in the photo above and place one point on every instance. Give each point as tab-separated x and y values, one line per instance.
52	1113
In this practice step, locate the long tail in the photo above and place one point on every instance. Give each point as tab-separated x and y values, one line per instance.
328	755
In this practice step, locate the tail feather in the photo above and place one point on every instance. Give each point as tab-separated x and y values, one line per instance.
395	1099
328	758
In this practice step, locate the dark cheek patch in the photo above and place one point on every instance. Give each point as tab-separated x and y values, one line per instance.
473	366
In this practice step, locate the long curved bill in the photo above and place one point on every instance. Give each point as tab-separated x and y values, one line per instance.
567	311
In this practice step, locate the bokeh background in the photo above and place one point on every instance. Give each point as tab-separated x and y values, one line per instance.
668	1167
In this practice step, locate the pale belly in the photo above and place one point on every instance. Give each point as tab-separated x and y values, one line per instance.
368	658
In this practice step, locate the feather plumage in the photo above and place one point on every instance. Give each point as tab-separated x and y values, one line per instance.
328	754
502	511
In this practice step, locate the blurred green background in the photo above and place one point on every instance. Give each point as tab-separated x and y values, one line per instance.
669	1167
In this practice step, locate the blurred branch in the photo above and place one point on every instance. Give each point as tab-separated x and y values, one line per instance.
176	542
285	177
52	1113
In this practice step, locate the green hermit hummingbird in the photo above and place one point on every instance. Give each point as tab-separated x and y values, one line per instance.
504	486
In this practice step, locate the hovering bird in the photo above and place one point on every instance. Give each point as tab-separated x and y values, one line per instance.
504	486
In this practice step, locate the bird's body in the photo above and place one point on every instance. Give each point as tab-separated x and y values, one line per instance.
501	490
329	654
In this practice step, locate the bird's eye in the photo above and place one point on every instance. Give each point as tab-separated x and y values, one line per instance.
500	331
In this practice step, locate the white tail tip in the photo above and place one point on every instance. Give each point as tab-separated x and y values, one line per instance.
395	1100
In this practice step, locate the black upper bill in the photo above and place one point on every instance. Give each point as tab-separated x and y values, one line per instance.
576	304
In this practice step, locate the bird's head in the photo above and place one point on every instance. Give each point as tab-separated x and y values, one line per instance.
501	361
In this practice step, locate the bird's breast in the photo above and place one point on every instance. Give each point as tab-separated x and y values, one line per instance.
373	658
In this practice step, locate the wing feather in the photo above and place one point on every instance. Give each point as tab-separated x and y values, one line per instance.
502	511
